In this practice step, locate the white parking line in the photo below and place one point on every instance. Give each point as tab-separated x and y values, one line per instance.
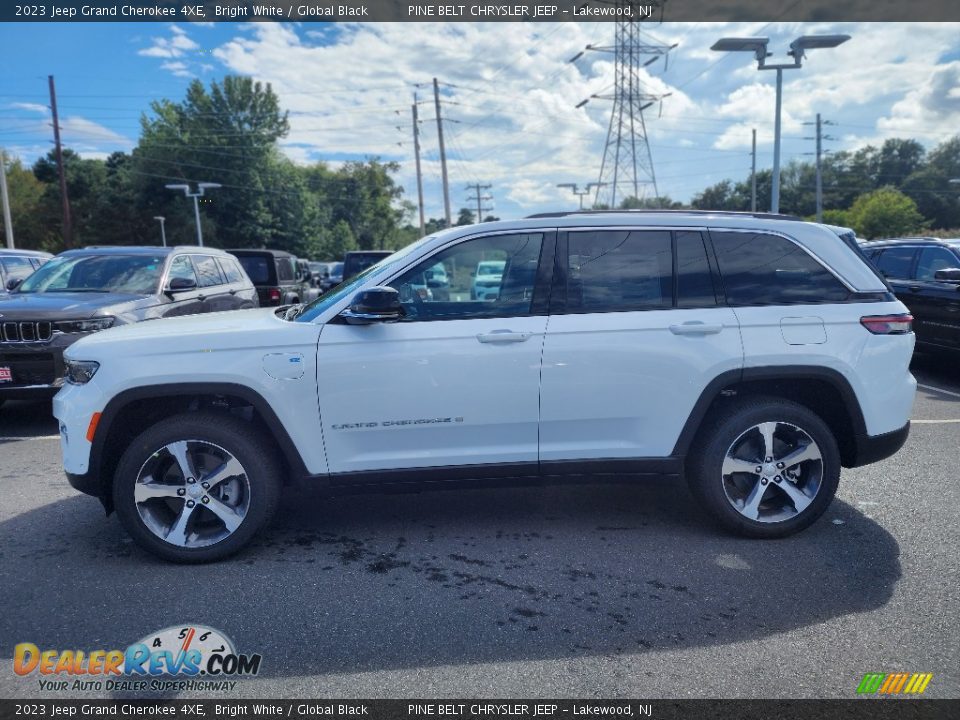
934	422
37	437
939	390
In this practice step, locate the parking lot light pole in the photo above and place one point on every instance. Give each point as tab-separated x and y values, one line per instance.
163	233
798	48
196	202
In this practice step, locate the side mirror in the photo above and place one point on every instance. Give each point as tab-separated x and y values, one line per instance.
181	284
950	275
14	283
376	304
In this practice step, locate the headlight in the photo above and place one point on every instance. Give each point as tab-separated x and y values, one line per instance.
85	326
80	372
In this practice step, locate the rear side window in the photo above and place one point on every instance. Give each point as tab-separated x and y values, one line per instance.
933	259
208	272
895	262
694	280
17	267
761	269
614	270
285	269
230	270
258	268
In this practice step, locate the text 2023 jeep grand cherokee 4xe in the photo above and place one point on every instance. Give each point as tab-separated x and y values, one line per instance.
754	354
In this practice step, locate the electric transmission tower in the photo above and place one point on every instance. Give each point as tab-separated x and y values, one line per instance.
627	167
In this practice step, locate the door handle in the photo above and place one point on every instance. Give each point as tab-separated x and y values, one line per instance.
695	328
503	336
233	292
915	288
201	297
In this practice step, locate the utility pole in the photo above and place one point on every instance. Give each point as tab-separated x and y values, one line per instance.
65	201
820	137
480	197
443	155
7	222
416	150
753	173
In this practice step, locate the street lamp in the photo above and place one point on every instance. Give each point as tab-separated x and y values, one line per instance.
196	204
577	191
798	48
163	234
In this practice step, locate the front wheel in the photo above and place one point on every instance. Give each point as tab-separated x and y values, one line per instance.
196	487
767	469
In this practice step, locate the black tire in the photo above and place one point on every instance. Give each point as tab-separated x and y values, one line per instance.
257	455
722	429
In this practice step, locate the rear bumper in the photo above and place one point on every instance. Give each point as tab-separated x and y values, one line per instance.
873	448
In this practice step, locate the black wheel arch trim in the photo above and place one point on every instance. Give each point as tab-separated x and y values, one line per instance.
113	408
776	372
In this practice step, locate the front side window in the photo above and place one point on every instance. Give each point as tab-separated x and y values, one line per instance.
761	269
182	268
619	270
482	278
895	262
933	259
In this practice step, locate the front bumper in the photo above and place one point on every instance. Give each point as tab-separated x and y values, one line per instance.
37	367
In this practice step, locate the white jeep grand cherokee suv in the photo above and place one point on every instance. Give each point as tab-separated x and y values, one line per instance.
753	354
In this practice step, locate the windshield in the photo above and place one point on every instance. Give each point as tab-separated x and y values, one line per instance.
133	274
338	292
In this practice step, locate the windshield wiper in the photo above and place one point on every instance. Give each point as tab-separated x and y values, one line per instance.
294	311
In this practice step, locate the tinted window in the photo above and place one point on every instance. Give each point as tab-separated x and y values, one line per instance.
894	262
933	259
285	269
258	268
181	267
17	267
619	270
760	269
207	270
445	286
694	282
230	270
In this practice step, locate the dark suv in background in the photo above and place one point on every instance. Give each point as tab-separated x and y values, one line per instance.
19	264
925	275
83	291
279	277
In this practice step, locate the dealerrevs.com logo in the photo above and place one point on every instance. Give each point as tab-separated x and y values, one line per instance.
181	657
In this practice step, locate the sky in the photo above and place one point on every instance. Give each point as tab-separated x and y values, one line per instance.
509	95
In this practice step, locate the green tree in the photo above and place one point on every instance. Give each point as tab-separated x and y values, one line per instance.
884	213
31	227
465	217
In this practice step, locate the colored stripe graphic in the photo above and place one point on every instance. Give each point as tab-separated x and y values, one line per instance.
894	683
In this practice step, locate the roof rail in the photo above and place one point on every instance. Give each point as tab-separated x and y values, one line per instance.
732	213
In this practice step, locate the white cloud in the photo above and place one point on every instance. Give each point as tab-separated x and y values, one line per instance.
175	46
78	131
177	68
32	107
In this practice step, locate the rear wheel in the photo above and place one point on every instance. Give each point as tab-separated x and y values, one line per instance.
196	487
767	469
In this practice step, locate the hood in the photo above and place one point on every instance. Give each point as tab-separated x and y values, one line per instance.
69	305
254	329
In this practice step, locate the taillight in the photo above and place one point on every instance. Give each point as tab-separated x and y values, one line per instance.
274	296
888	324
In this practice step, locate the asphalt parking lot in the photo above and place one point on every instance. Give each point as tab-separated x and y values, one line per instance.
583	591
